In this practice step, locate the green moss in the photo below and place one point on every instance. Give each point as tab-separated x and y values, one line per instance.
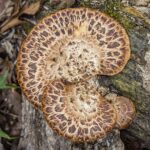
27	27
85	3
133	90
114	9
128	88
125	81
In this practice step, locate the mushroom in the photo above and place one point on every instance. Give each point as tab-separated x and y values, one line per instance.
78	111
72	45
125	111
58	63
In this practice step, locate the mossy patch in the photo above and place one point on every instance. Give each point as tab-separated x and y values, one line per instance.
27	27
129	87
114	9
129	84
85	3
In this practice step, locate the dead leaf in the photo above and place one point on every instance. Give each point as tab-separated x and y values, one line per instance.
6	9
16	8
10	24
15	12
32	9
14	20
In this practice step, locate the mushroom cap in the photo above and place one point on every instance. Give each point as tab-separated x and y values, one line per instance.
73	44
125	110
77	111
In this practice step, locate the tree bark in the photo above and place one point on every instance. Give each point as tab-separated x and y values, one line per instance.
36	135
133	82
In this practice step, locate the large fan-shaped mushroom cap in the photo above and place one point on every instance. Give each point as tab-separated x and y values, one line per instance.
73	45
78	111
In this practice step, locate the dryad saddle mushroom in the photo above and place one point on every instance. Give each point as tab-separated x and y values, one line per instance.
57	65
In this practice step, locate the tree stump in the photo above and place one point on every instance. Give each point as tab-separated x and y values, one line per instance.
133	82
36	135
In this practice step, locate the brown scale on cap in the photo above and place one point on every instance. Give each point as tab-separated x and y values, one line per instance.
73	45
78	111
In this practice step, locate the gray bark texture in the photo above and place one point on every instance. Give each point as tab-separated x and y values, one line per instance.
133	82
36	135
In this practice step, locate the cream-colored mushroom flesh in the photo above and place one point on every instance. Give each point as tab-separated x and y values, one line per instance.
78	111
72	45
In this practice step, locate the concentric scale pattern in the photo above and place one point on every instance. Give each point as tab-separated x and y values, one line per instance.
70	47
78	111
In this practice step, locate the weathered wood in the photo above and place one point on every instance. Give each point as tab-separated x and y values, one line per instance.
36	135
133	82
